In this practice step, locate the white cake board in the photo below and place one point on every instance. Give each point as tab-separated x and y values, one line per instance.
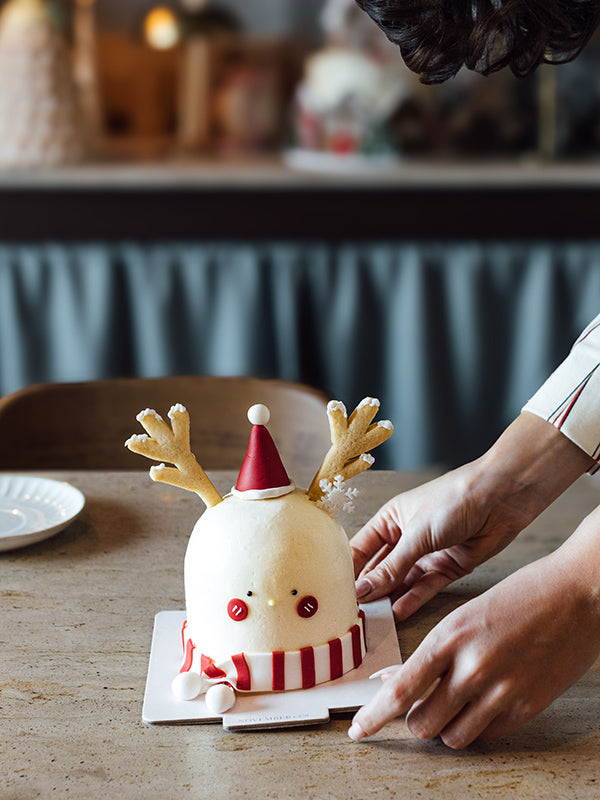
270	709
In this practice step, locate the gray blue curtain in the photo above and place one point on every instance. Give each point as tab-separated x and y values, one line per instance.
453	337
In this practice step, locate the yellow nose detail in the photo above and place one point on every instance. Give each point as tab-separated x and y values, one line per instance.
271	602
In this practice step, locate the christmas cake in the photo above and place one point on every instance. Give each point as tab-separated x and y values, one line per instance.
269	581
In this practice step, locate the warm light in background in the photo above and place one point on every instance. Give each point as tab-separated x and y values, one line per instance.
161	29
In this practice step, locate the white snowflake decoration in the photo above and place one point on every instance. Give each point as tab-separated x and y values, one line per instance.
335	497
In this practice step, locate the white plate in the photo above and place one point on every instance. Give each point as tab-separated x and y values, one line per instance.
33	509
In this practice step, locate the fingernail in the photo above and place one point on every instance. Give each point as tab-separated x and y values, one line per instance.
385	672
363	587
355	732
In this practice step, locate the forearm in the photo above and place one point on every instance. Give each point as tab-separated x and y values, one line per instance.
528	467
580	555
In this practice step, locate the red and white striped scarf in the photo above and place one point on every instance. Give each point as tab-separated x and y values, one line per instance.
280	670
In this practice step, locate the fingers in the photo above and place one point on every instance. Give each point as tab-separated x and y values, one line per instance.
472	723
501	725
420	592
442	707
398	693
389	573
429	716
380	534
383	551
453	713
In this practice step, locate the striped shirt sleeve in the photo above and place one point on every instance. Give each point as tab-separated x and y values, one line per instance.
570	398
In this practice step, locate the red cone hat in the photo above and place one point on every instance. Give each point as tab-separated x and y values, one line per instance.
262	474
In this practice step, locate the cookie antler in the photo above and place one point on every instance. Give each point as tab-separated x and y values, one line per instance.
171	443
351	439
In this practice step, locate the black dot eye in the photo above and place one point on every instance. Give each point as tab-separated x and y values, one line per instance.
248	593
294	591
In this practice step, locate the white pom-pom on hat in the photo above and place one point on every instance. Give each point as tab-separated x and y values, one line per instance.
262	475
259	414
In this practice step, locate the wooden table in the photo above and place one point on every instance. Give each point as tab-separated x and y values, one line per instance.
75	637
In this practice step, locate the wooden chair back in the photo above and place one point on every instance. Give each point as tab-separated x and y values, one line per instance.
84	425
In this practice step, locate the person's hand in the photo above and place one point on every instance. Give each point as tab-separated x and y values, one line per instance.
424	539
501	658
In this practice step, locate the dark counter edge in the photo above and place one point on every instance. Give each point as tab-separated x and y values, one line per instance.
549	212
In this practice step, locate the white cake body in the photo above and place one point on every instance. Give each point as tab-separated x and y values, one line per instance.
282	551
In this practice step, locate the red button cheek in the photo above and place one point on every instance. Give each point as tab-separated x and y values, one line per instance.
307	607
237	609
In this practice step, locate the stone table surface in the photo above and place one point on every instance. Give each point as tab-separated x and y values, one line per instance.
77	618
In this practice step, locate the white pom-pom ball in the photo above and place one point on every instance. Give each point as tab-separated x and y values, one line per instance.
220	698
259	414
186	685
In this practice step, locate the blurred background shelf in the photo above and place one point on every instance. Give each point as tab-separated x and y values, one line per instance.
272	172
264	199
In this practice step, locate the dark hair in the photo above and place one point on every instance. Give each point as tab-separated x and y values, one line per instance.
436	37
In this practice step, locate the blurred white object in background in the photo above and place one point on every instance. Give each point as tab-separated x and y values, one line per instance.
40	123
350	90
335	77
341	112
